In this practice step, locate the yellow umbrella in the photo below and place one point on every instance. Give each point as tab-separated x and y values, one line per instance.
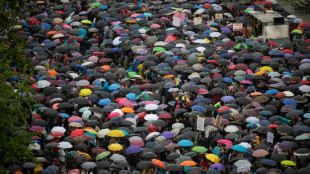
127	110
266	68
207	40
115	147
116	133
86	22
91	131
85	154
85	92
288	163
131	21
213	158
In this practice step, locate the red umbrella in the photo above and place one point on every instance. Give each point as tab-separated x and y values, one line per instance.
165	115
267	2
77	133
113	114
137	143
229	44
75	118
224	108
241	66
212	61
207	6
272	43
287	51
73	38
304	24
57	134
34	20
273	126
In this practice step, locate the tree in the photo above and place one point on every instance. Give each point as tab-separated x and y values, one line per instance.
14	107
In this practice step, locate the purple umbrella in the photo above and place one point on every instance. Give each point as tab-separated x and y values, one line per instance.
167	134
93	59
142	58
36	128
286	145
217	166
305	61
72	83
60	81
133	149
227	99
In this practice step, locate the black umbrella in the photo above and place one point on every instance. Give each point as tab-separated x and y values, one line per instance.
65	105
278	157
80	101
149	155
175	167
158	148
173	156
145	165
29	165
159	123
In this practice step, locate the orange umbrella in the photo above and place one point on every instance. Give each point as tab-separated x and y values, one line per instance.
52	73
259	73
188	163
51	33
105	67
256	93
55	106
127	110
169	76
159	163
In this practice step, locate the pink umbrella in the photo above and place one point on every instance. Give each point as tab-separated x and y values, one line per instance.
260	153
116	23
155	26
36	128
76	54
164	19
67	26
246	82
224	141
74	118
249	71
93	59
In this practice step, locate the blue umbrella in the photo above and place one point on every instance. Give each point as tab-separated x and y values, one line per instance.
133	149
82	31
141	16
103	7
268	162
253	125
265	113
104	102
239	148
185	143
214	24
80	67
227	80
227	99
131	96
272	91
148	14
289	101
304	128
275	53
64	115
199	108
45	25
114	86
150	144
264	122
306	115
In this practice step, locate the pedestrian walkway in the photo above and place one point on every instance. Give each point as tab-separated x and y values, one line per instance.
289	8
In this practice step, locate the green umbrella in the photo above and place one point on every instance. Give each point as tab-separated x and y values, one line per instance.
37	106
248	10
71	154
147	28
199	149
131	74
297	31
136	87
95	4
239	78
241	46
302	137
144	97
159	49
231	136
102	155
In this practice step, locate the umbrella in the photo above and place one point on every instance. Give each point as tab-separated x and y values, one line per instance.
145	165
159	163
185	143
239	148
268	162
133	149
188	163
217	166
115	147
260	153
288	163
199	149
213	158
102	155
89	165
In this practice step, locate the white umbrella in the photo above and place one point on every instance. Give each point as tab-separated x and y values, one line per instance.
241	162
175	132
178	126
82	83
215	34
89	165
246	145
194	75
135	138
58	35
199	11
119	111
34	146
288	94
231	128
74	75
304	88
200	41
252	119
180	45
151	107
117	157
151	117
40	68
160	44
103	132
64	145
87	63
58	129
142	30
117	41
151	135
43	84
200	49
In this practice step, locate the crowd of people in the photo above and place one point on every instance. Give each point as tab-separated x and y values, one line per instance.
138	87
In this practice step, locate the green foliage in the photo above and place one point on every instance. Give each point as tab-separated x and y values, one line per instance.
14	109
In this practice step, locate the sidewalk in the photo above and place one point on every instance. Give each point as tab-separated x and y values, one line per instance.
304	16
